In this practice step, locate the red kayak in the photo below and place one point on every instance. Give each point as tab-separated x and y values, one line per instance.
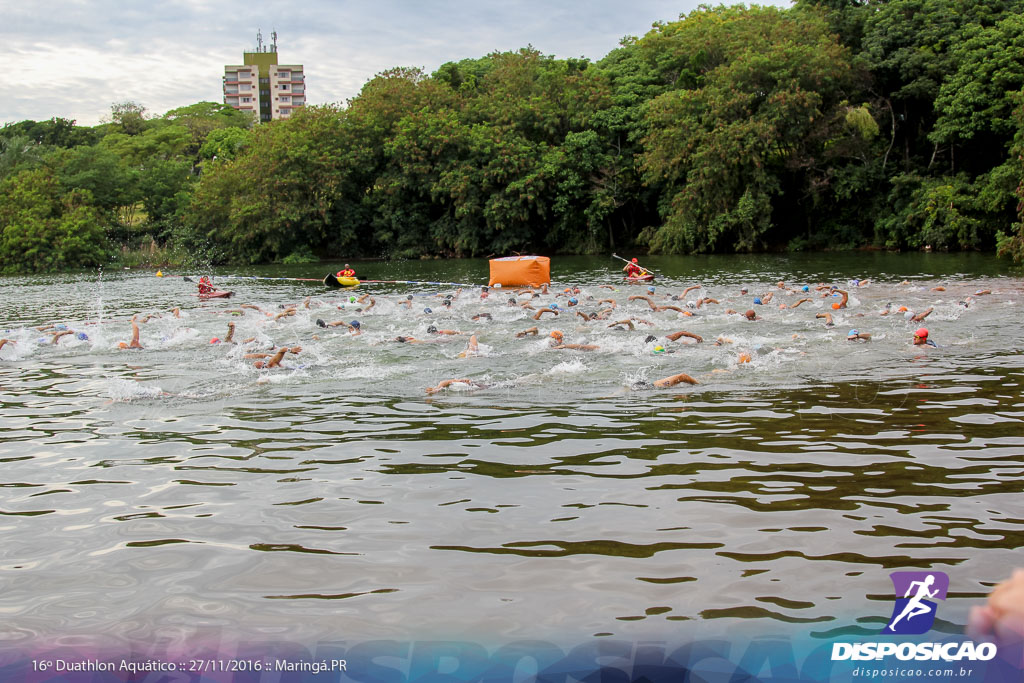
637	280
216	294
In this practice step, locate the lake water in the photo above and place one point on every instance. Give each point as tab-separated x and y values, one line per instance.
176	491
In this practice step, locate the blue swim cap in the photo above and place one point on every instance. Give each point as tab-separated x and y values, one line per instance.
83	336
60	326
805	288
355	324
651	290
427	310
853	333
573	300
757	300
855	283
553	306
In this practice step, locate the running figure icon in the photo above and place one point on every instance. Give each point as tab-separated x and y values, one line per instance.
915	607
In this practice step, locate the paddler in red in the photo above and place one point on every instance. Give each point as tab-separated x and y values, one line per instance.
346	272
632	269
205	286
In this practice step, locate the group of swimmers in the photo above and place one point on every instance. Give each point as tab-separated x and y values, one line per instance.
542	304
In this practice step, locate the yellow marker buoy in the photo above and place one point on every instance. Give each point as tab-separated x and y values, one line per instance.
159	273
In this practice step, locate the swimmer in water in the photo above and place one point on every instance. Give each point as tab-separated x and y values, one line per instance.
921	316
675	336
538	314
921	338
444	384
472	349
527	332
1002	617
673	380
134	343
354	327
3	342
854	335
433	330
275	358
827	317
557	342
61	333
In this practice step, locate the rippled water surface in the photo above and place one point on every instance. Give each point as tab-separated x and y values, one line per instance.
177	487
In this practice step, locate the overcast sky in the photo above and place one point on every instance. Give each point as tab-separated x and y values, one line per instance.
73	58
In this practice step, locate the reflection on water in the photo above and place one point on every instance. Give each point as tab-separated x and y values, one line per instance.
178	487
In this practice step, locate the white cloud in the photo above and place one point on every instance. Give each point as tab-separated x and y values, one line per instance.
73	58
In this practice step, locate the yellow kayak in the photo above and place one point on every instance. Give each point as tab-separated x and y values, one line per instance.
333	280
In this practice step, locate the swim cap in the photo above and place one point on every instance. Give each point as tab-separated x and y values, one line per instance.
122	345
567	290
855	283
835	306
512	300
757	300
351	299
400	339
921	332
750	315
447	302
83	336
744	358
573	300
60	326
659	349
675	297
650	338
553	306
449	296
159	273
409	297
651	290
215	340
805	288
743	290
852	333
355	324
427	310
691	304
432	329
320	323
908	315
902	309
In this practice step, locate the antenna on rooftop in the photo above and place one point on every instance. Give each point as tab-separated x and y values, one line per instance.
259	40
273	45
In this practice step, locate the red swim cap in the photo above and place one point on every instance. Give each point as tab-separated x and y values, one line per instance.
922	332
634	260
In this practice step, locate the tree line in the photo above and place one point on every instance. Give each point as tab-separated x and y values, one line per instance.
834	124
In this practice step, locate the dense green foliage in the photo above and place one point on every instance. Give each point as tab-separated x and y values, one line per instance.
833	124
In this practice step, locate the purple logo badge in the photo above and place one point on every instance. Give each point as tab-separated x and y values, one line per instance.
914	612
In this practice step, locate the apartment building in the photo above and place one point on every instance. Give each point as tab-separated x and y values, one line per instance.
260	85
